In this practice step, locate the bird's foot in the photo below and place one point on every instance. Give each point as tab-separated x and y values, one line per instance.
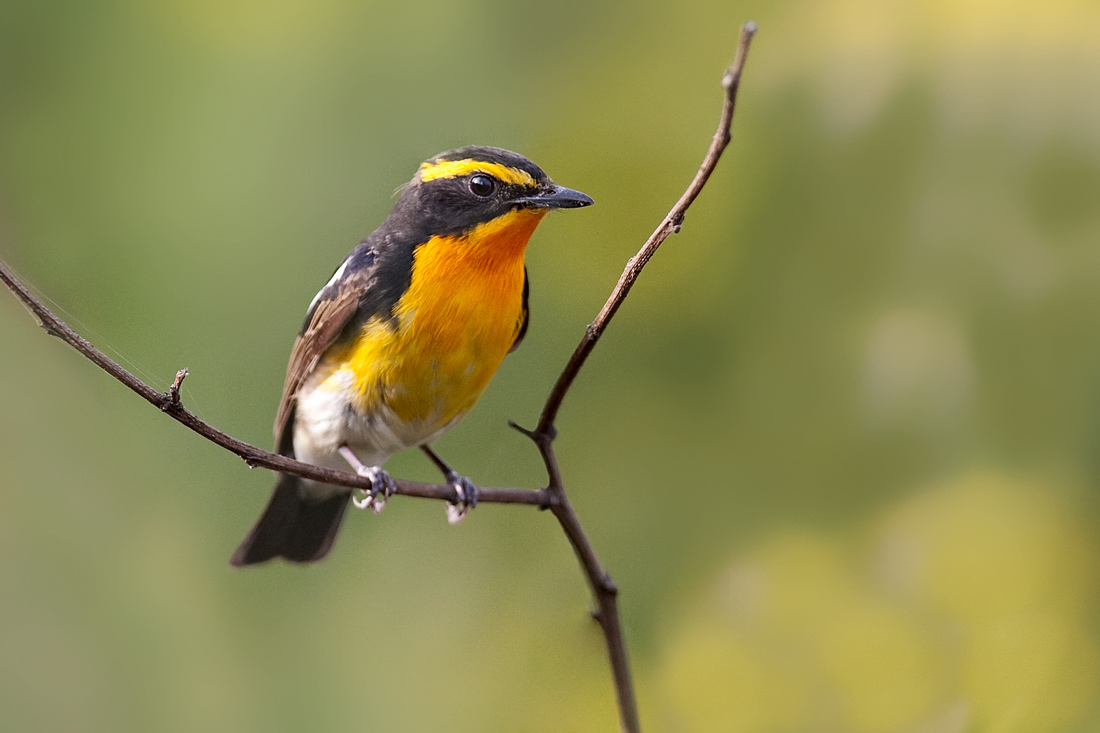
382	487
467	497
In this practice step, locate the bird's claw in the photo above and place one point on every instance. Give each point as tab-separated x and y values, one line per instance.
382	487
467	497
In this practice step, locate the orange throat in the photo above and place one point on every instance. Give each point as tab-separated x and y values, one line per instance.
455	324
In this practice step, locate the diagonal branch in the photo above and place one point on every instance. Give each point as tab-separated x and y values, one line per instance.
599	580
671	224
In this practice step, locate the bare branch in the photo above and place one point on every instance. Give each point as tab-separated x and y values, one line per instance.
253	456
599	580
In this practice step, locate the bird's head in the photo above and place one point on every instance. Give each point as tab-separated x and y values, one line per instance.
457	191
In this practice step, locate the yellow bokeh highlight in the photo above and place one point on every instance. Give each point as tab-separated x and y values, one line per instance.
1030	672
985	546
715	682
965	607
790	585
883	666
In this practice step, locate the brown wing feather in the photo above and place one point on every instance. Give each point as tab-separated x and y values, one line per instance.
327	320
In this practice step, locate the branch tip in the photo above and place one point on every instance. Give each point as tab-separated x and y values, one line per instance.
733	75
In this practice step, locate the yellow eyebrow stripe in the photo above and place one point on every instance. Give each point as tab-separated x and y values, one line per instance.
454	168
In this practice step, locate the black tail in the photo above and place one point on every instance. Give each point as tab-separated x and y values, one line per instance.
292	527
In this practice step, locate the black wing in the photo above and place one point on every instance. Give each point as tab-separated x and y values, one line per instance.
524	315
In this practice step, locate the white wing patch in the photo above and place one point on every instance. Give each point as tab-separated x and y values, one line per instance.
332	281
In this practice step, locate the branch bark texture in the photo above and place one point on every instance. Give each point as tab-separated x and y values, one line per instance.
553	497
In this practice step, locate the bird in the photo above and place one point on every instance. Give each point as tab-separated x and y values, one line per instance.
403	339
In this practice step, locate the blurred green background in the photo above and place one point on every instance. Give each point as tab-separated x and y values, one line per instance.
841	448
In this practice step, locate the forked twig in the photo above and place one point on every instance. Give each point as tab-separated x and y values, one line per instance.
552	497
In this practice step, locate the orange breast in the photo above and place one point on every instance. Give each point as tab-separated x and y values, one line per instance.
456	323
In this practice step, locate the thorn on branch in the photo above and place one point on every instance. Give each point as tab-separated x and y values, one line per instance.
171	399
49	329
522	430
538	437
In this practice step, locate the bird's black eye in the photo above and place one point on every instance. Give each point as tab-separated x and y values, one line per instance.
482	185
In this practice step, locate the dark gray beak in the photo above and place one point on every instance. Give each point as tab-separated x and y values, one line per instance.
556	197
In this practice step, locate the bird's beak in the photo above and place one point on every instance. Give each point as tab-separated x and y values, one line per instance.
556	197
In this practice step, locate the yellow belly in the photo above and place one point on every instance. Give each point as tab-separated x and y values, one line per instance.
452	329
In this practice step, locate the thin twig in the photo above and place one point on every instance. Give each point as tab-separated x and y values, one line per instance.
553	497
669	225
599	580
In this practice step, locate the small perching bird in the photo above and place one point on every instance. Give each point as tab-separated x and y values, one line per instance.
402	340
